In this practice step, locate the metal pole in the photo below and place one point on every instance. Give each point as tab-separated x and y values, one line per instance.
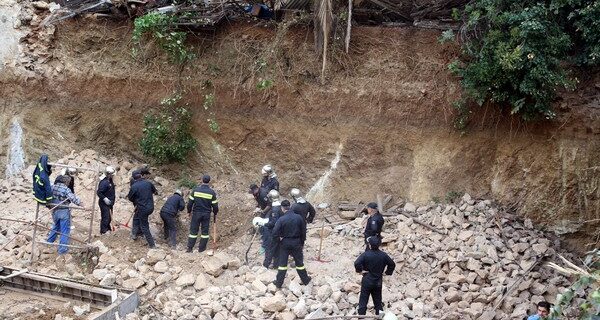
60	165
37	211
43	227
94	204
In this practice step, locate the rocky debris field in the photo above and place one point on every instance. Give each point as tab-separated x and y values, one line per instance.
483	264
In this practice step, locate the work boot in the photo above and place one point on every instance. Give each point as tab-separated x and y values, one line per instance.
277	284
188	250
307	281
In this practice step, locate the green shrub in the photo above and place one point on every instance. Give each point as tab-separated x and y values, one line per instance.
186	181
514	51
161	28
586	287
167	135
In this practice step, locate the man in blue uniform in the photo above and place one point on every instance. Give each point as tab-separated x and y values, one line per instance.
168	214
269	180
302	207
372	264
271	247
142	195
290	234
374	222
106	199
202	201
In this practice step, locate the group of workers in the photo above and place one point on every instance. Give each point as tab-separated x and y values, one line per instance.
282	225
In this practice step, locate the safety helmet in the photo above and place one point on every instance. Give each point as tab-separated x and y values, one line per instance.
273	194
109	170
295	192
266	170
178	191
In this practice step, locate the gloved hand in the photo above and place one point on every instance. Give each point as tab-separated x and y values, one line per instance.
107	201
259	222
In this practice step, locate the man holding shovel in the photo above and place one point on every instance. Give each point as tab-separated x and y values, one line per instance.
106	200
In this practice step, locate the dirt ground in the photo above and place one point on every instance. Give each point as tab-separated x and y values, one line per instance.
388	102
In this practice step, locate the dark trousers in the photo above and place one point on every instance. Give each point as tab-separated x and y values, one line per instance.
199	221
368	288
105	219
169	227
294	250
144	226
271	249
135	225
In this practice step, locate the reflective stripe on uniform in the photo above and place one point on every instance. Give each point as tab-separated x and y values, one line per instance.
191	197
282	268
39	200
193	236
204	236
203	195
216	201
300	268
38	180
40	166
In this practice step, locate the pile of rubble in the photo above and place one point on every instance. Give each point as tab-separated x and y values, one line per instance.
468	262
483	266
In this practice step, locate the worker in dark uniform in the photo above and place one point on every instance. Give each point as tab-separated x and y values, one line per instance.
71	172
142	195
290	233
271	247
372	264
261	195
168	214
143	171
202	201
106	199
374	223
302	207
269	180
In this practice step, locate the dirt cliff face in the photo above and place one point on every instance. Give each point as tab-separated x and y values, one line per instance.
387	102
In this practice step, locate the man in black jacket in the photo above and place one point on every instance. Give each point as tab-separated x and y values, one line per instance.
202	201
269	180
302	207
168	213
272	215
106	199
372	263
290	233
142	195
374	223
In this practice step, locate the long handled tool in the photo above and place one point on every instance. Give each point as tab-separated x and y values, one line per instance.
321	243
251	242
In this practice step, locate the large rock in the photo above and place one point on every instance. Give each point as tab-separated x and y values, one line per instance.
257	285
161	267
133	283
275	303
213	266
300	309
154	256
201	282
163	278
185	280
409	207
100	273
108	280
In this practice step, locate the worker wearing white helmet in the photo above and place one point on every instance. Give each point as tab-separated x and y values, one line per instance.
106	199
269	180
302	207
